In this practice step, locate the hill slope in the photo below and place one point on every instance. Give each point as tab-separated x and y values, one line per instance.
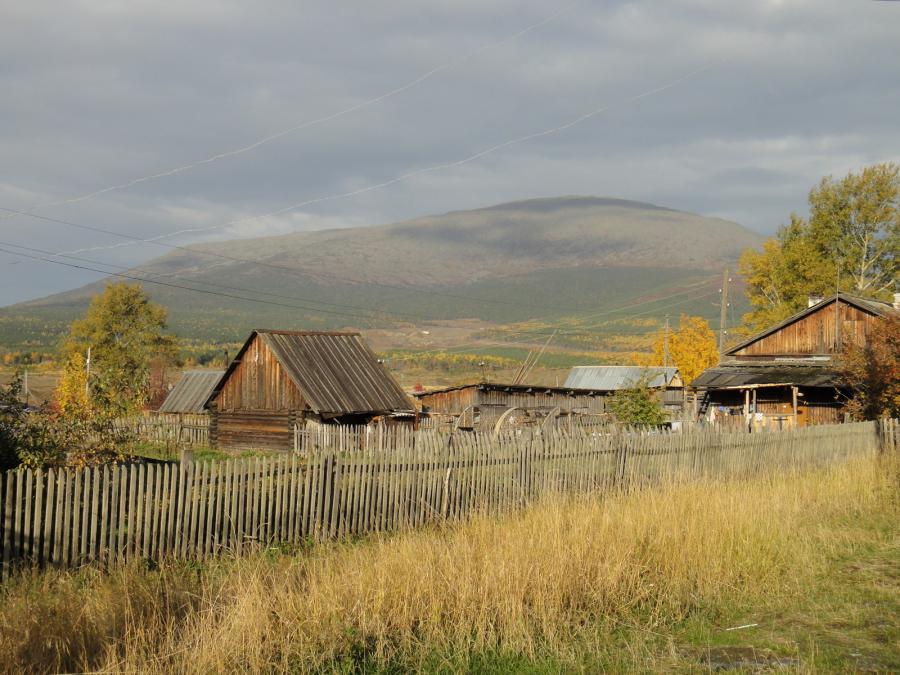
535	259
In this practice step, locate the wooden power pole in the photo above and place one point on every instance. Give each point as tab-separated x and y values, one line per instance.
723	315
666	345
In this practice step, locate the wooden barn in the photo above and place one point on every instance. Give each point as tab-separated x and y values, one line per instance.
482	405
787	375
283	379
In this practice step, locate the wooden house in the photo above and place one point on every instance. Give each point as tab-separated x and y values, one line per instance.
280	380
788	375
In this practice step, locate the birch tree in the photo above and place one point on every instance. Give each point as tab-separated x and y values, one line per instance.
851	242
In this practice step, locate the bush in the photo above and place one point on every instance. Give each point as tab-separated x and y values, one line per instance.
54	438
638	405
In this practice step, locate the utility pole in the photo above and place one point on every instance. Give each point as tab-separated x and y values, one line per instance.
723	315
837	311
26	386
666	345
87	377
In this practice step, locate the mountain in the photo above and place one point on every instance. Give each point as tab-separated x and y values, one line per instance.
526	260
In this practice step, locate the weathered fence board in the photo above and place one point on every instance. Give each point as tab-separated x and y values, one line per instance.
174	429
69	517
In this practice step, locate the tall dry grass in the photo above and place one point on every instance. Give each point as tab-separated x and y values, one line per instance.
563	572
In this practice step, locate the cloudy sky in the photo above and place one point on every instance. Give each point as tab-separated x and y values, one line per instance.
726	109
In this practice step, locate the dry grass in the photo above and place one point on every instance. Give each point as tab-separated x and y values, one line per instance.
565	576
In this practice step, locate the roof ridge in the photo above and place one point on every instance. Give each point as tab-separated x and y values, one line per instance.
281	331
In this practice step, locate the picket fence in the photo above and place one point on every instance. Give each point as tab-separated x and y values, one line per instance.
173	429
106	515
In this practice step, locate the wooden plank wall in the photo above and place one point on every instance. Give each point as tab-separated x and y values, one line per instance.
259	382
105	515
814	334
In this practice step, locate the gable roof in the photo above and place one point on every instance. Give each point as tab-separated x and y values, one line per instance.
615	378
337	372
191	392
873	307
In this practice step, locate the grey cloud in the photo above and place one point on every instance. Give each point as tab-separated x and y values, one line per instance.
96	93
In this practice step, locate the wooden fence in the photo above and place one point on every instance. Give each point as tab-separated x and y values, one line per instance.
104	515
176	429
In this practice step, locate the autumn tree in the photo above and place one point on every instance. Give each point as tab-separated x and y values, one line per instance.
71	395
850	241
692	348
873	372
124	331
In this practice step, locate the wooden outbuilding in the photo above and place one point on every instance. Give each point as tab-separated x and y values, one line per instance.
281	380
481	405
190	394
788	375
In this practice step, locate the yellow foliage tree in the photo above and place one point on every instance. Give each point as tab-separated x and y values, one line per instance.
71	392
692	348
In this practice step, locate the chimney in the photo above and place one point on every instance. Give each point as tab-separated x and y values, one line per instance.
813	300
897	301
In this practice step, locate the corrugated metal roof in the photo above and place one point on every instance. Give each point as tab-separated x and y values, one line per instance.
744	374
614	378
191	392
337	373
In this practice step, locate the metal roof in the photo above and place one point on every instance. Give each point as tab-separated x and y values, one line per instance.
874	307
614	378
191	392
745	374
337	372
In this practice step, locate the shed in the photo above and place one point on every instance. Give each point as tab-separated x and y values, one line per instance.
283	379
481	404
190	394
786	375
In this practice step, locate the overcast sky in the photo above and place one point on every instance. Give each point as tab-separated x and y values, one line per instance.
765	99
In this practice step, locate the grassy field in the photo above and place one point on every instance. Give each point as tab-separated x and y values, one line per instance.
808	566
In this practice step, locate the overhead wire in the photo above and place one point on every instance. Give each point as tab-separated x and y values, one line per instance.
5	247
417	172
302	274
310	123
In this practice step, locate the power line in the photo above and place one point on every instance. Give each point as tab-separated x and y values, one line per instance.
217	285
310	123
133	277
430	169
305	275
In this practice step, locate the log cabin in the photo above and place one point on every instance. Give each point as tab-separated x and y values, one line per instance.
789	375
282	380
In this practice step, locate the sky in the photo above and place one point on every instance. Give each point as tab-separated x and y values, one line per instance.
378	112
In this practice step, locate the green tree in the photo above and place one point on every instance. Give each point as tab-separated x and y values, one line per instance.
124	332
851	241
638	405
